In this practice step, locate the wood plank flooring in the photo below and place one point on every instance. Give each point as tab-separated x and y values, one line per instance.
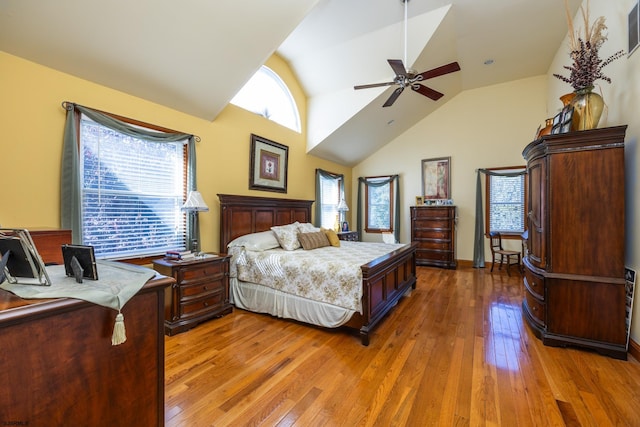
456	352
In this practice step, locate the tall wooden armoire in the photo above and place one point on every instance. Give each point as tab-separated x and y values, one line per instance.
574	269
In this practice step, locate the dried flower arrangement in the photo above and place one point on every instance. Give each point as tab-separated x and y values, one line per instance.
587	65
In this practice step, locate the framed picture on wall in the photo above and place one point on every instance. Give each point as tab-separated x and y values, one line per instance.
268	165
436	178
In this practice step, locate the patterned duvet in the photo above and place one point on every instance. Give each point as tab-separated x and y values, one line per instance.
329	274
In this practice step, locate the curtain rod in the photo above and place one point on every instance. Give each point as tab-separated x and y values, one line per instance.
69	107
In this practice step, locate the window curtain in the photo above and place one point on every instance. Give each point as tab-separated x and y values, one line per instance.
396	204
71	181
317	209
478	239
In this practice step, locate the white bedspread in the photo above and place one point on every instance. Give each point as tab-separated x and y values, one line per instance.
331	274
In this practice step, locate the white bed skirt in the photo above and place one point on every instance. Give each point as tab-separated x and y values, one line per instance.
262	299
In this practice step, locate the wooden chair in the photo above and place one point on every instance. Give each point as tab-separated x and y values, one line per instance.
511	257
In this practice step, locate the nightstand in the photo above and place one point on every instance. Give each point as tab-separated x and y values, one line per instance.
201	291
351	236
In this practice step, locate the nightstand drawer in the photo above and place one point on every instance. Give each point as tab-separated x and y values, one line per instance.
351	236
202	305
199	272
197	289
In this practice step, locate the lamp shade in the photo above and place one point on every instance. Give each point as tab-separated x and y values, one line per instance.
342	206
195	203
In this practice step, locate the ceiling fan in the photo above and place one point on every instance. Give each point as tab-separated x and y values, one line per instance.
410	78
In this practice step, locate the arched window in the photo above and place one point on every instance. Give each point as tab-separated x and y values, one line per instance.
267	95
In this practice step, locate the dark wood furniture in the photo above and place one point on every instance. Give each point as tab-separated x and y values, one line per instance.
58	366
49	244
384	280
350	236
574	267
433	229
501	255
200	291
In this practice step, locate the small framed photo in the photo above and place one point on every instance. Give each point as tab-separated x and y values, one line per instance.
567	119
436	178
557	124
268	165
80	262
419	200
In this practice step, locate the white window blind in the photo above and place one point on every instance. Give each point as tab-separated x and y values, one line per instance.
330	191
132	193
506	203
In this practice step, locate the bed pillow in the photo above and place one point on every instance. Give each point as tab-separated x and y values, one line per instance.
307	227
331	236
313	240
287	236
256	241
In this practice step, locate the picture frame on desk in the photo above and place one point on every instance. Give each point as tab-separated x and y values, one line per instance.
84	266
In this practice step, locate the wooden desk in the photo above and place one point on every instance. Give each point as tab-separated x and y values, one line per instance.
58	367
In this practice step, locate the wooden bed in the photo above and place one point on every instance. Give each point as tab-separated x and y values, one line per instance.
384	280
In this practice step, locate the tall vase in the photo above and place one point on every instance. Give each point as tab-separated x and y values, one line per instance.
587	109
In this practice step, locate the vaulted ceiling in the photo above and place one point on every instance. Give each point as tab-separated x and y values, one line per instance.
194	56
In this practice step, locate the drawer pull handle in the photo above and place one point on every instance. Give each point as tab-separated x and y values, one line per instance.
535	308
204	288
206	304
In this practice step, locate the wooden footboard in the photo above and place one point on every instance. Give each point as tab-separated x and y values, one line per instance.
384	281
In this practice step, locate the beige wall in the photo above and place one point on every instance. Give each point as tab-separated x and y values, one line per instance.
33	122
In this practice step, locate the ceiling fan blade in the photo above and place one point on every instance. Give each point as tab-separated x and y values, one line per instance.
397	66
427	91
445	69
396	93
373	85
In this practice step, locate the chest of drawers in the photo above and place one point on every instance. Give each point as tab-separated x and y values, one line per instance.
433	229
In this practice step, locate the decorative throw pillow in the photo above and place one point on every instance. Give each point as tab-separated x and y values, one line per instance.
287	236
313	240
307	227
260	241
332	237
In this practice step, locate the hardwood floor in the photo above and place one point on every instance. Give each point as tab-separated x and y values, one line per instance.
456	352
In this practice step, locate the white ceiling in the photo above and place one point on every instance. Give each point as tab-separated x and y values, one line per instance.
194	55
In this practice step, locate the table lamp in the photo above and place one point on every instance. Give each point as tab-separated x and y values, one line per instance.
342	208
194	204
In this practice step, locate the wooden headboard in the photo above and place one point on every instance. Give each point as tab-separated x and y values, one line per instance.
240	215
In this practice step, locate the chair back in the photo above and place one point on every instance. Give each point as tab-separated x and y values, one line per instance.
495	241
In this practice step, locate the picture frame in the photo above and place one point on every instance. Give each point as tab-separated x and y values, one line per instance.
80	262
268	165
419	200
20	261
567	119
436	178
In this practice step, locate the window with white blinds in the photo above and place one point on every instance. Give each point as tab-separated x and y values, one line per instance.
330	198
506	203
132	193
